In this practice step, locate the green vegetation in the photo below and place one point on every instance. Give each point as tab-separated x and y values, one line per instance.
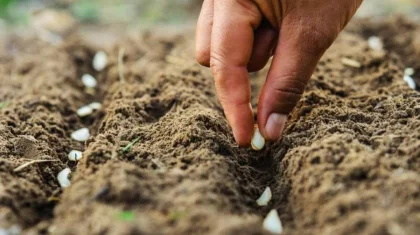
127	216
176	215
129	12
3	104
129	146
85	11
9	12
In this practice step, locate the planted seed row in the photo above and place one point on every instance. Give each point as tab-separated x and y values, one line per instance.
99	62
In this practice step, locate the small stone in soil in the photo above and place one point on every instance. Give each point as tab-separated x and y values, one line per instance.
81	135
89	81
75	155
100	61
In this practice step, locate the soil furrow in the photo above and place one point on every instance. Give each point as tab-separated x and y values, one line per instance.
40	96
351	165
183	175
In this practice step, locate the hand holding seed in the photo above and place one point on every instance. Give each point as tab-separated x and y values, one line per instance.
235	37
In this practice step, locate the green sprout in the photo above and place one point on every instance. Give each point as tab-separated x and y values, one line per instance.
176	215
86	11
129	146
3	104
126	216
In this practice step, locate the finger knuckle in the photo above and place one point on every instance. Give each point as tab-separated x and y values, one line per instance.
311	38
288	87
248	8
315	40
202	56
217	63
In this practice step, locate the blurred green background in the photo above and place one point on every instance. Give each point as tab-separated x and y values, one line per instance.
105	11
134	12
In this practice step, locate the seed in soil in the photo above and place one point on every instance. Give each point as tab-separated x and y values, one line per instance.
272	223
258	141
75	155
85	111
409	71
63	178
81	135
350	62
14	230
265	197
95	105
100	60
410	81
89	81
129	146
375	43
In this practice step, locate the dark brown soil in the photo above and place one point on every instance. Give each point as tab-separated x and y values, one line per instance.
348	163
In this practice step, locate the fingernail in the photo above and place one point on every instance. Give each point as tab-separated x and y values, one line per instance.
275	126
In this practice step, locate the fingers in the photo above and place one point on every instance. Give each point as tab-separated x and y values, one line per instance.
301	47
265	40
203	33
231	49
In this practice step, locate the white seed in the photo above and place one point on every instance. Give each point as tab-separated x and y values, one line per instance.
63	178
410	81
95	105
272	223
89	81
81	135
409	71
258	141
100	61
265	197
14	230
85	111
75	155
375	43
350	62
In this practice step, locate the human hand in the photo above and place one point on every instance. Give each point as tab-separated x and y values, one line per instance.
235	37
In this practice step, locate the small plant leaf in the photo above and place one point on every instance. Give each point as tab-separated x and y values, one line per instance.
126	216
129	146
176	215
3	104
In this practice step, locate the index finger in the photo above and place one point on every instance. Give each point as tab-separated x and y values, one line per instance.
231	49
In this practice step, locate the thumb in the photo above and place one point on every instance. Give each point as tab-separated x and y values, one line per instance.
296	56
